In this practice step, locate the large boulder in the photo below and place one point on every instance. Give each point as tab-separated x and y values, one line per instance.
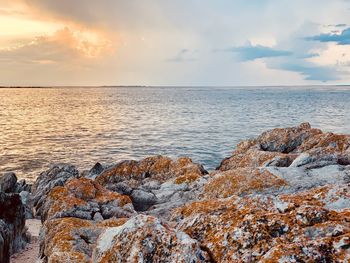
141	238
57	175
147	239
158	168
5	241
84	198
153	181
172	194
13	235
241	181
286	140
72	239
8	183
295	146
311	226
276	180
142	199
322	150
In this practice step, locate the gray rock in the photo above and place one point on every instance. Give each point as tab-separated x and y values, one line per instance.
268	140
300	179
142	200
8	182
121	188
98	217
112	209
150	185
95	171
84	238
27	202
23	186
4	242
12	225
57	175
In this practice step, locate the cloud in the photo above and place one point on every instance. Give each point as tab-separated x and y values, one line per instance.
249	52
341	39
336	25
149	39
184	55
340	25
64	45
311	71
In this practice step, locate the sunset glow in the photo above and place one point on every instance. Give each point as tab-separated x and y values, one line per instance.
161	43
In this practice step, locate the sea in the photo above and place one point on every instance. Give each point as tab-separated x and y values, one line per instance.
85	125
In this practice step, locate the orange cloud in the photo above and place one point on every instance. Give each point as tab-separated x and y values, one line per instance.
64	46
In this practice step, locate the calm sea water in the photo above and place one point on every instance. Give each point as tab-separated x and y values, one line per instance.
86	125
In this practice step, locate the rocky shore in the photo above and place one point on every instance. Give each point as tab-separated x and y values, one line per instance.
281	197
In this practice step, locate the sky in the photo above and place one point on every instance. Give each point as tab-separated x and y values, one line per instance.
177	43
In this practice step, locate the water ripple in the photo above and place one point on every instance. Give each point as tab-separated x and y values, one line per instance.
85	125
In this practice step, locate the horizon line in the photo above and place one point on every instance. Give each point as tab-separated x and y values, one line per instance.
168	86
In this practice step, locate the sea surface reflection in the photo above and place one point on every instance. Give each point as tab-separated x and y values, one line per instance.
86	125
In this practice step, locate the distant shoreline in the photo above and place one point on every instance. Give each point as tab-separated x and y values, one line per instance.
174	86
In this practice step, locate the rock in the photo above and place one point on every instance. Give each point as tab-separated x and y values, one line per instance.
5	240
142	237
156	168
276	180
23	186
95	171
268	228
71	239
83	198
121	188
27	203
97	217
255	157
8	183
57	175
12	225
171	195
147	239
151	185
142	200
142	180
241	181
286	140
303	178
295	146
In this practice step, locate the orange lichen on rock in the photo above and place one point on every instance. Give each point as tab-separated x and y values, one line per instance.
337	142
71	239
80	198
253	227
275	147
187	178
59	200
156	167
59	240
256	158
111	222
286	140
147	239
241	181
